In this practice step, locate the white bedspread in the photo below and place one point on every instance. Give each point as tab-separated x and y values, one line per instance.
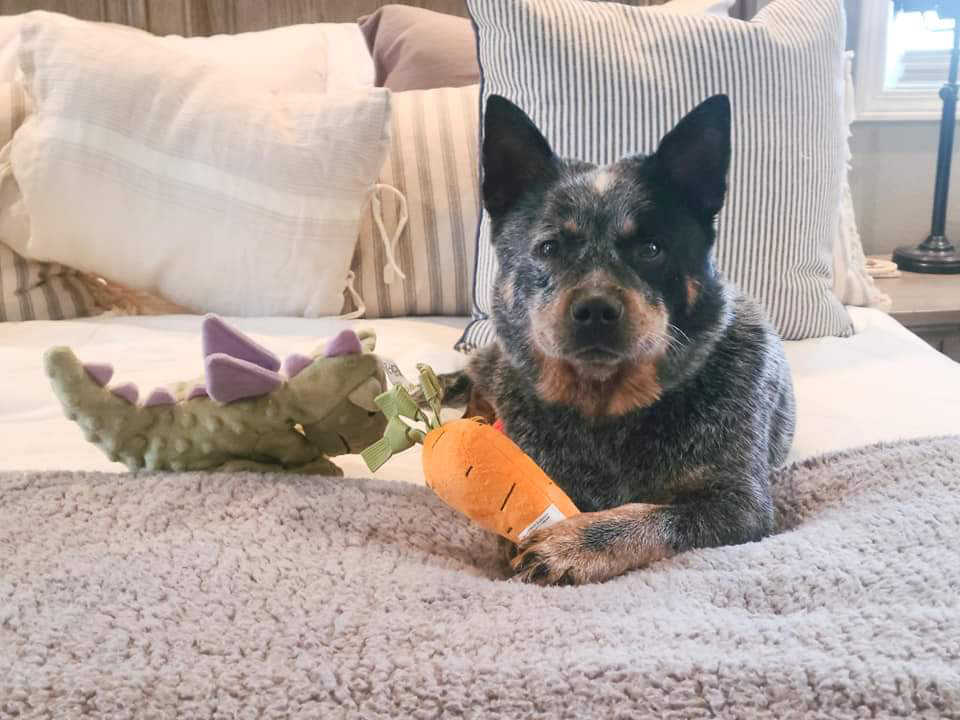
881	384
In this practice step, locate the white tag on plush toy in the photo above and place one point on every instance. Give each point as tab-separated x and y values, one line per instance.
392	371
550	516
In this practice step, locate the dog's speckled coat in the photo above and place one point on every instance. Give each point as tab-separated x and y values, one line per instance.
663	420
249	596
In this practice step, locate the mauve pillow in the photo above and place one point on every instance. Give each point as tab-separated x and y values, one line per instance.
417	49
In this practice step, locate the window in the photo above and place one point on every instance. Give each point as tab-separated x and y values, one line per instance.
902	62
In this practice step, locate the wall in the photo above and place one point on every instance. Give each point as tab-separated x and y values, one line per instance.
894	165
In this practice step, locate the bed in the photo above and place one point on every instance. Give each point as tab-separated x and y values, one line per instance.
883	384
275	596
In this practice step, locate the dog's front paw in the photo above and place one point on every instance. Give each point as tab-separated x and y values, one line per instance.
588	548
561	555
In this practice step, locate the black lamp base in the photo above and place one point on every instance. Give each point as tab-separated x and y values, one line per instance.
945	260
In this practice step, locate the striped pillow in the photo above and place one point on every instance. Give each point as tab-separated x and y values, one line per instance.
433	162
603	80
30	290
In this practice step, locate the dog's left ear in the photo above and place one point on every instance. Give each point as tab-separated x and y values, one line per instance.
695	156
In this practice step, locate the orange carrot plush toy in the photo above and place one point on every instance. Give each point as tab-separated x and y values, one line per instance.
474	467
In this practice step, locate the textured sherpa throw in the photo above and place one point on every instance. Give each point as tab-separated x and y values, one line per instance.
212	596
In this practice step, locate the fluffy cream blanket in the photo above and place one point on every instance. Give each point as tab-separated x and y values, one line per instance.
190	595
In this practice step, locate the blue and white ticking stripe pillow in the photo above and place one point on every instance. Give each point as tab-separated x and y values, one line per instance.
603	80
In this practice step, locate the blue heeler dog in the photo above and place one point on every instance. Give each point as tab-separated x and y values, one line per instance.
652	392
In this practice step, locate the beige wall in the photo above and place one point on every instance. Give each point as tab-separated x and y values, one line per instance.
892	181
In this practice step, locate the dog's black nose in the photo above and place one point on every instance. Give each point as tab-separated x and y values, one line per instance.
597	311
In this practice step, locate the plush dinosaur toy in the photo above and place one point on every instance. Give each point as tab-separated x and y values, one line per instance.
247	413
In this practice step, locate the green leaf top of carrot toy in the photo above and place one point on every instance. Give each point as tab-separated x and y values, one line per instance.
398	407
432	390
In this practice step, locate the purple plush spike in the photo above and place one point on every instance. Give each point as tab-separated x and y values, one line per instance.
127	391
294	364
100	373
218	337
229	378
345	343
160	396
198	391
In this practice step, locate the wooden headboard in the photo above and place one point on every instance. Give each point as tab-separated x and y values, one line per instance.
207	17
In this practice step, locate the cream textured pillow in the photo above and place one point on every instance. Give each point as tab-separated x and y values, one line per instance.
851	282
169	174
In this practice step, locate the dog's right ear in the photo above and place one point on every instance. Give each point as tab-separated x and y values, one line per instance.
516	156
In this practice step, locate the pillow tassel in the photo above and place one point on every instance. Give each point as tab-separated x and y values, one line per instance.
392	269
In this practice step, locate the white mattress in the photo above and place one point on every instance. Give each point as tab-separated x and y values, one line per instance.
882	384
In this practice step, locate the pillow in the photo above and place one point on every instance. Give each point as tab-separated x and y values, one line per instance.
9	32
699	7
305	57
852	284
349	63
314	57
168	174
414	48
417	49
433	163
30	290
646	68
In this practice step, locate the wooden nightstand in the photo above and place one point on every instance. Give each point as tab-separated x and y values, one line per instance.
929	305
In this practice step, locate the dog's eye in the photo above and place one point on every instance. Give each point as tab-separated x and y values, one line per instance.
648	250
548	248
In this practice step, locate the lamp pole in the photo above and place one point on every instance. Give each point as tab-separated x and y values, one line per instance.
936	254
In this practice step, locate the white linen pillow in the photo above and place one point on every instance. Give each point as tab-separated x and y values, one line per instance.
9	33
307	58
30	290
298	58
349	63
169	174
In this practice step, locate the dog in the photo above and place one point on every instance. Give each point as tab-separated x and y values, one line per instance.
655	394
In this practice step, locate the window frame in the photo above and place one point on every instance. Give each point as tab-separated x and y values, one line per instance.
876	103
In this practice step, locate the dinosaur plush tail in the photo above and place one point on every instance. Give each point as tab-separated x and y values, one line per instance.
105	414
